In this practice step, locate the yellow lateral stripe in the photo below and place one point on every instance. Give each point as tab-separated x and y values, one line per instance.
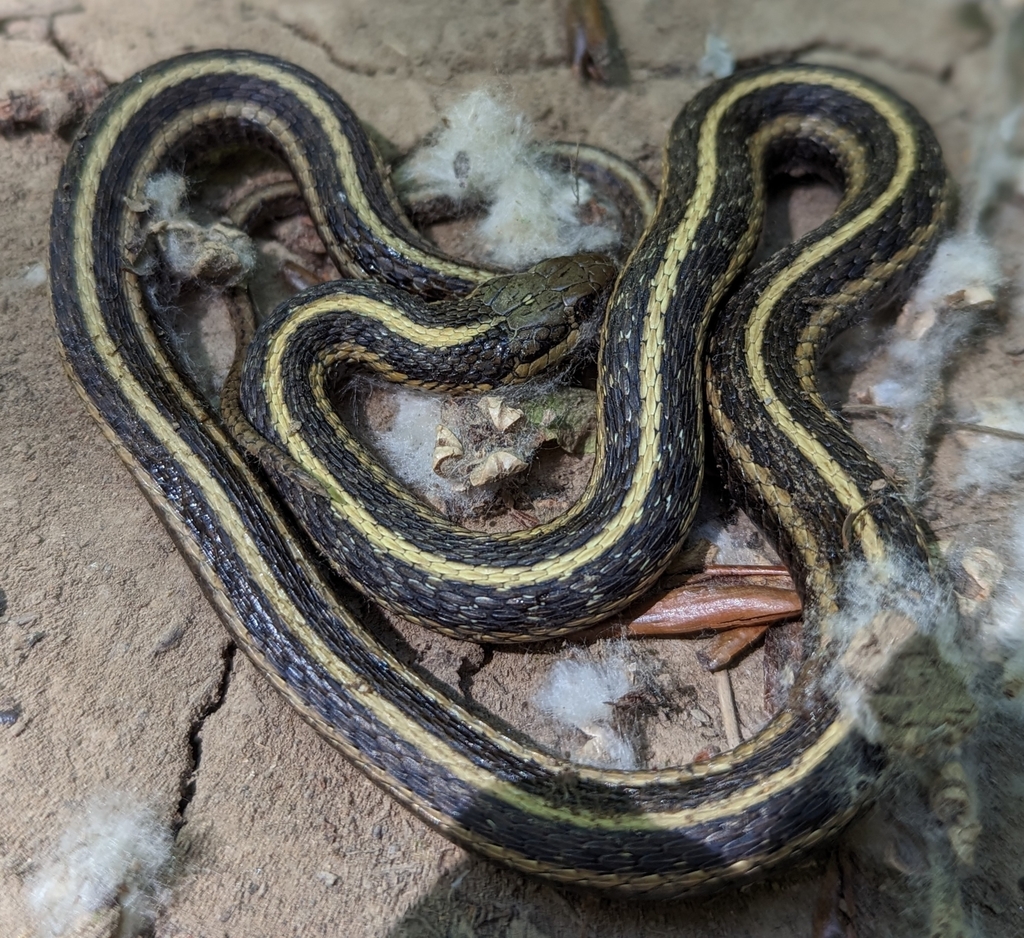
845	488
431	746
346	164
390	715
353	510
429	336
400	721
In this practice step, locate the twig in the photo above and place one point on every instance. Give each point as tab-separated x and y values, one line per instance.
723	684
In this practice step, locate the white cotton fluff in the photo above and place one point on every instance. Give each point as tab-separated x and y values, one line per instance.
958	285
580	693
1002	624
962	262
479	143
34	276
28	278
115	853
165	193
534	215
1005	618
484	153
991	462
902	586
717	61
737	541
897	584
997	163
408	443
963	265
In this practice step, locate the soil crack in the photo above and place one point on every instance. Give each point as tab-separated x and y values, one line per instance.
306	36
190	776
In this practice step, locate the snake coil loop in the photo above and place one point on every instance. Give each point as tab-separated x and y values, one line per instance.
674	831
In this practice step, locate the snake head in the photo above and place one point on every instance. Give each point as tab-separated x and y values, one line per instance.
546	307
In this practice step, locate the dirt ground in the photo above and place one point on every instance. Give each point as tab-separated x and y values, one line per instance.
115	673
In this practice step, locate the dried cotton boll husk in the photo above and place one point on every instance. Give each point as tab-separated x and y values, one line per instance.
217	254
502	415
501	464
447	446
981	572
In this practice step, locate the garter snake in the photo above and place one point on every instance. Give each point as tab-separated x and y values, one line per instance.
659	833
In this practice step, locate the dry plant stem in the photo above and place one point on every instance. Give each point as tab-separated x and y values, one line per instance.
727	701
867	410
718	571
980	428
881	410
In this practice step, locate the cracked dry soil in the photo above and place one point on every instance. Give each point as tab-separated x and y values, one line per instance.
121	675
